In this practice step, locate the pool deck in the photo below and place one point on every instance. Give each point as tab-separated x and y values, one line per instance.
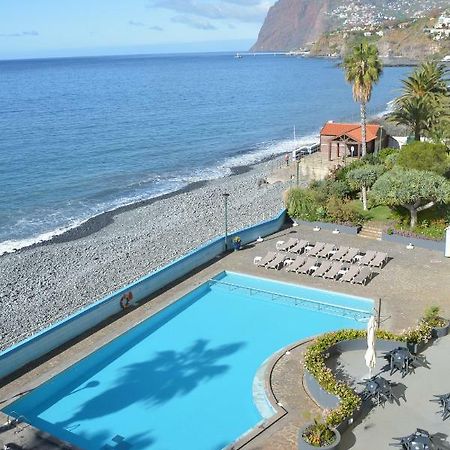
412	280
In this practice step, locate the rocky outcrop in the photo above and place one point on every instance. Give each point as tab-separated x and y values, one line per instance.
290	24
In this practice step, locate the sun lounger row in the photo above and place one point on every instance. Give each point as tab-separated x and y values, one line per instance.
330	270
322	250
316	267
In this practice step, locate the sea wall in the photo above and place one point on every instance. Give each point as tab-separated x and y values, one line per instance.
60	333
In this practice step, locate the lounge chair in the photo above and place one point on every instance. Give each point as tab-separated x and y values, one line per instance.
341	252
363	277
350	255
365	260
285	246
299	247
323	269
308	266
333	272
296	264
277	262
380	260
316	249
270	256
326	251
350	274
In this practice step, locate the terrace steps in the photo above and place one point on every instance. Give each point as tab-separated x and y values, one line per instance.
372	230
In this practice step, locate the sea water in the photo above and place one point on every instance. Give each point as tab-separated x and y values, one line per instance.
81	136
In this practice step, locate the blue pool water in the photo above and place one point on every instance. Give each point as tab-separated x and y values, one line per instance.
183	378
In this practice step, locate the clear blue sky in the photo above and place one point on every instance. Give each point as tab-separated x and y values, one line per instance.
41	28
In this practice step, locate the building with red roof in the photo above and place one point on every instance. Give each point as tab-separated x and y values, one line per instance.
338	140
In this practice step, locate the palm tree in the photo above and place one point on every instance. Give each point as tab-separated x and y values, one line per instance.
363	69
424	101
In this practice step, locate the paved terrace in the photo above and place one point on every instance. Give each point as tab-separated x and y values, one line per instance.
410	281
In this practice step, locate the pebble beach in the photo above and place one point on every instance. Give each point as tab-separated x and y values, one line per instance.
50	281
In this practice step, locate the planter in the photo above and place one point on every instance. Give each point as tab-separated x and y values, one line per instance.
303	445
438	332
237	245
416	347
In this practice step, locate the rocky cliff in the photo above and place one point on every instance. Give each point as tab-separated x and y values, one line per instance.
293	24
290	24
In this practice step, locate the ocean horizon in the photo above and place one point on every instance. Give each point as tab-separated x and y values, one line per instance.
86	135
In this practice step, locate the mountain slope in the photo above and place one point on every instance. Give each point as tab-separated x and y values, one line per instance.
291	24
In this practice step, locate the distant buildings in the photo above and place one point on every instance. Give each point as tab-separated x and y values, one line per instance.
441	29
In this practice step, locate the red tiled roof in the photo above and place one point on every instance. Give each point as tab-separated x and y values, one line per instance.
352	130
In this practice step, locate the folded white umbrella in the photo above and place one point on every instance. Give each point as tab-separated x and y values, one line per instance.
370	355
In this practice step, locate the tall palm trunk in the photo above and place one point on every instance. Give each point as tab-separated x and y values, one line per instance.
363	128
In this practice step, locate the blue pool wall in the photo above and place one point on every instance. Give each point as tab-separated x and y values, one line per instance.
23	353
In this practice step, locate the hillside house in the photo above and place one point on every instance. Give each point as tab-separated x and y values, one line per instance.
338	140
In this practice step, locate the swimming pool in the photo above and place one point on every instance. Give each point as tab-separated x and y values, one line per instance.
183	378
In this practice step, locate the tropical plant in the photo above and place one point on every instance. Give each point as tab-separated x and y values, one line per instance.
319	434
431	317
424	101
415	190
363	69
424	156
363	178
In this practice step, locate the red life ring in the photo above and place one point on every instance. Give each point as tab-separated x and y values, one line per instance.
125	300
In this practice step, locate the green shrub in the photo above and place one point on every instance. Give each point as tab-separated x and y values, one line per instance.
371	158
328	188
302	204
341	211
424	156
341	173
386	152
390	161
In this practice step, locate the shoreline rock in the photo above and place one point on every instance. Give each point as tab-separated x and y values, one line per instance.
50	281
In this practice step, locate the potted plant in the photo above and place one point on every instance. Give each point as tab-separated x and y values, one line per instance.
318	435
416	337
237	243
439	325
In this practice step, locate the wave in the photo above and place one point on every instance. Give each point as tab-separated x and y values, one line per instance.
389	108
269	150
153	187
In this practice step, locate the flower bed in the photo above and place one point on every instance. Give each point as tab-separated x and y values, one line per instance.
318	352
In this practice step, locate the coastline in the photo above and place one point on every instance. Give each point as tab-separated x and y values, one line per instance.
48	281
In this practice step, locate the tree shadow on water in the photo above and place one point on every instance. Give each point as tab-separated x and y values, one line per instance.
169	374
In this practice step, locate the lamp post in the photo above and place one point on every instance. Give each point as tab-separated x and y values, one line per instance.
298	172
225	198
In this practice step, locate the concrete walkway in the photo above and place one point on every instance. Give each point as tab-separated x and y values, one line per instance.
415	410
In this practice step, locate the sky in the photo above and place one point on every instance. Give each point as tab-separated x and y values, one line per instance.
47	28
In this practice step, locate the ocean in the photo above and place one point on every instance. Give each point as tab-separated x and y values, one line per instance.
81	136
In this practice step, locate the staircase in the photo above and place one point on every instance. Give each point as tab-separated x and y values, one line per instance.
372	230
